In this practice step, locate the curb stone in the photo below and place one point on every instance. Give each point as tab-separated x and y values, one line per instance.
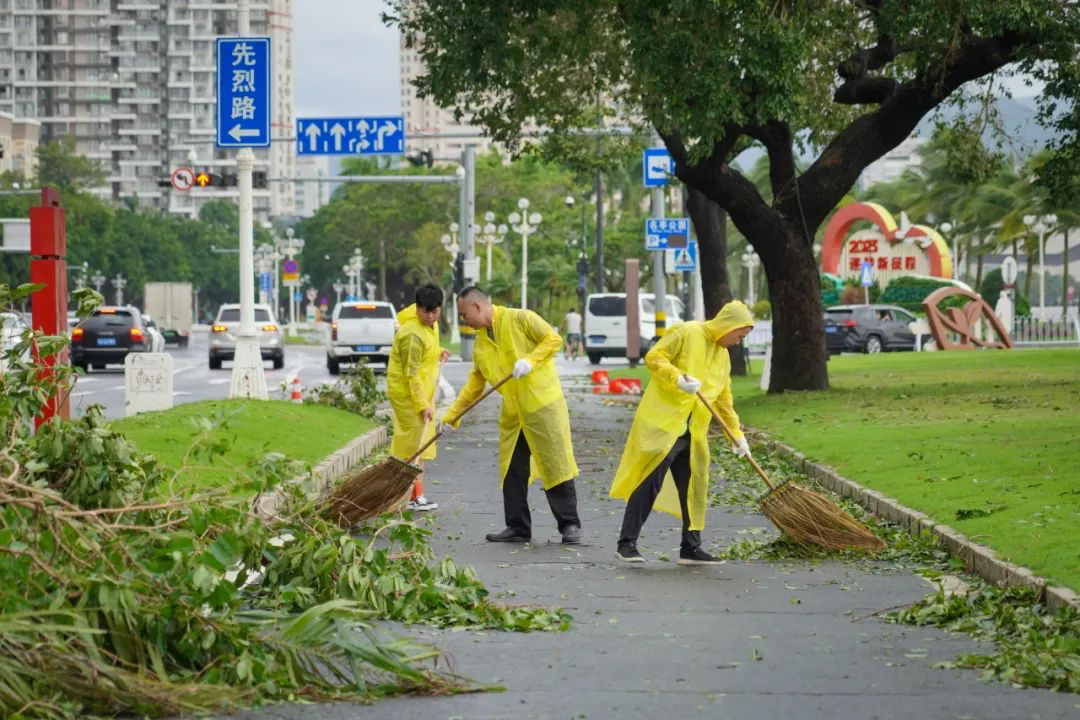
332	467
978	559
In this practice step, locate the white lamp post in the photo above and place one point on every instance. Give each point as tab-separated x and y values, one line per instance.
523	224
97	279
264	263
119	283
356	264
450	243
750	261
493	235
1041	225
338	287
292	247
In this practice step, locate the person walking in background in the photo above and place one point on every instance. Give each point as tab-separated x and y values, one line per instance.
574	345
411	381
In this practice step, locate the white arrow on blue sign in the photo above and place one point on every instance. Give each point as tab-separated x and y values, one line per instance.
866	270
659	232
379	135
243	92
656	167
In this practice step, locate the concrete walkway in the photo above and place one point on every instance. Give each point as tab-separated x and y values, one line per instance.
744	640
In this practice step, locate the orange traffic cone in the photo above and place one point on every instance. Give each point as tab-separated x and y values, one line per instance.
297	395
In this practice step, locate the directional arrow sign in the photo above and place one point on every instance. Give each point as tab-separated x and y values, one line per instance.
382	135
243	92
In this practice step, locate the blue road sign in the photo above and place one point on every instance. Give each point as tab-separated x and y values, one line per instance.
265	281
866	273
686	258
656	166
666	233
243	92
383	135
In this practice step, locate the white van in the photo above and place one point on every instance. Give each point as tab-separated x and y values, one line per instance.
605	323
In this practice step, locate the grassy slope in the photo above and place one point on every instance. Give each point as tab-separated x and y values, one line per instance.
947	432
302	432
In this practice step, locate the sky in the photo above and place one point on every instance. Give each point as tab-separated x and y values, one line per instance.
345	61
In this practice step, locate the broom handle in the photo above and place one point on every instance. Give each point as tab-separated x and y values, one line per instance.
461	414
731	439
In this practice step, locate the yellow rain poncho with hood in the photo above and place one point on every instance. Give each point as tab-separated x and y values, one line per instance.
534	404
411	375
662	416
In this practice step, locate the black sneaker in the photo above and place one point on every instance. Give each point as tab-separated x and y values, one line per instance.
571	535
509	535
697	556
629	555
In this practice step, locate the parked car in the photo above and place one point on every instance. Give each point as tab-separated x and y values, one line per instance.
107	336
157	340
360	331
868	328
12	327
226	326
605	323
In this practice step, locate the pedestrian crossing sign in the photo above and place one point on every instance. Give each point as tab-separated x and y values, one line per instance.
686	257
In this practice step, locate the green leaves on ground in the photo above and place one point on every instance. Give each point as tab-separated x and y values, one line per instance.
356	392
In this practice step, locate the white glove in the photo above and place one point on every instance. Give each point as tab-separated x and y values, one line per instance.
741	448
688	384
445	427
522	368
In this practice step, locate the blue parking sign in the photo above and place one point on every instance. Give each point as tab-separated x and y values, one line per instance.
243	92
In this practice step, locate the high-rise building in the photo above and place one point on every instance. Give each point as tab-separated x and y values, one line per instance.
310	196
133	82
18	141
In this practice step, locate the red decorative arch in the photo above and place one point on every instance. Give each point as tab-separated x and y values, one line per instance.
836	232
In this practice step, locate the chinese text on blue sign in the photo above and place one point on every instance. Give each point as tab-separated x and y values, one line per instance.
664	233
243	97
383	135
656	166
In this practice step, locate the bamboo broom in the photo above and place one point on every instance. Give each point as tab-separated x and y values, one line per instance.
803	515
378	488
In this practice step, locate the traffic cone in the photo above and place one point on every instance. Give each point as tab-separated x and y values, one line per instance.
297	395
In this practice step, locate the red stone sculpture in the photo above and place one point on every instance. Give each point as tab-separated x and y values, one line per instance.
962	321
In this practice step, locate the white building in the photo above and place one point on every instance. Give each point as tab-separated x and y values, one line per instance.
18	141
893	164
133	81
310	196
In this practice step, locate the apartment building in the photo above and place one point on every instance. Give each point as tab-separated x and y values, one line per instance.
134	82
18	141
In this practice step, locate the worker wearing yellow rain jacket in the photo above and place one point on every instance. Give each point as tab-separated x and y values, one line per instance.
534	426
666	459
411	376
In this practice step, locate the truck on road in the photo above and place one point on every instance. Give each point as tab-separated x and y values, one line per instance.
171	305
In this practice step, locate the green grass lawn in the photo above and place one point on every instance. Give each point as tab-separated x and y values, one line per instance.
988	442
307	433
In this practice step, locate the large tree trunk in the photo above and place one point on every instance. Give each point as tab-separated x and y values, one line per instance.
710	226
799	359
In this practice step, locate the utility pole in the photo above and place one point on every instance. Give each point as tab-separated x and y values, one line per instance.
659	280
248	378
600	284
471	264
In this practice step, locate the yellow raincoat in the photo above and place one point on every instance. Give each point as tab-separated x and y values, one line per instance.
411	375
533	404
689	348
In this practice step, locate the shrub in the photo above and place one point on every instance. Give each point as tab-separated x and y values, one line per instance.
762	310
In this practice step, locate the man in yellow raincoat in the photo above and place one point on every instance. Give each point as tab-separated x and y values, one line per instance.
411	376
534	427
666	459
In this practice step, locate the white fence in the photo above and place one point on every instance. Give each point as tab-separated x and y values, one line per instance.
1033	331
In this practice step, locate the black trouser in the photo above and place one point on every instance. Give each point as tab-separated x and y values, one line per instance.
641	500
562	498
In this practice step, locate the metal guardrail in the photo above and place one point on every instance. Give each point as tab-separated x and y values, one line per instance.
1029	330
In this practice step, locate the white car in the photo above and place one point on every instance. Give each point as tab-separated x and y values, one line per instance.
605	323
11	333
227	325
361	330
157	340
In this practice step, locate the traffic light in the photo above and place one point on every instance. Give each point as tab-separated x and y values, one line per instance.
258	180
424	157
459	273
204	178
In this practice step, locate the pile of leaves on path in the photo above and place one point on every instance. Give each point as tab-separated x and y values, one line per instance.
356	391
1033	647
119	596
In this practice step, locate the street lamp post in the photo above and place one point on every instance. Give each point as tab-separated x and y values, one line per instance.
356	265
750	261
493	235
290	248
523	224
119	283
338	287
97	280
450	243
583	255
264	260
1041	225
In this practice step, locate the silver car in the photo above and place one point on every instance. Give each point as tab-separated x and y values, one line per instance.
223	334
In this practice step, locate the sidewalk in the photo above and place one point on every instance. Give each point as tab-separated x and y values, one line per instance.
744	640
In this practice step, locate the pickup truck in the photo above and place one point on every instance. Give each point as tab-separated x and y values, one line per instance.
170	304
362	330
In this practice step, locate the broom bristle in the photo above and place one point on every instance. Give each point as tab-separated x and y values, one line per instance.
811	519
371	491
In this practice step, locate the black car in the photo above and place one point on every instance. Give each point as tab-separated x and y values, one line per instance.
868	328
107	336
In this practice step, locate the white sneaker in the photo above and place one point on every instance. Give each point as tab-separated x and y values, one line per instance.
421	504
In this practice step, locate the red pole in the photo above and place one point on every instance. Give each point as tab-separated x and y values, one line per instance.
48	247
